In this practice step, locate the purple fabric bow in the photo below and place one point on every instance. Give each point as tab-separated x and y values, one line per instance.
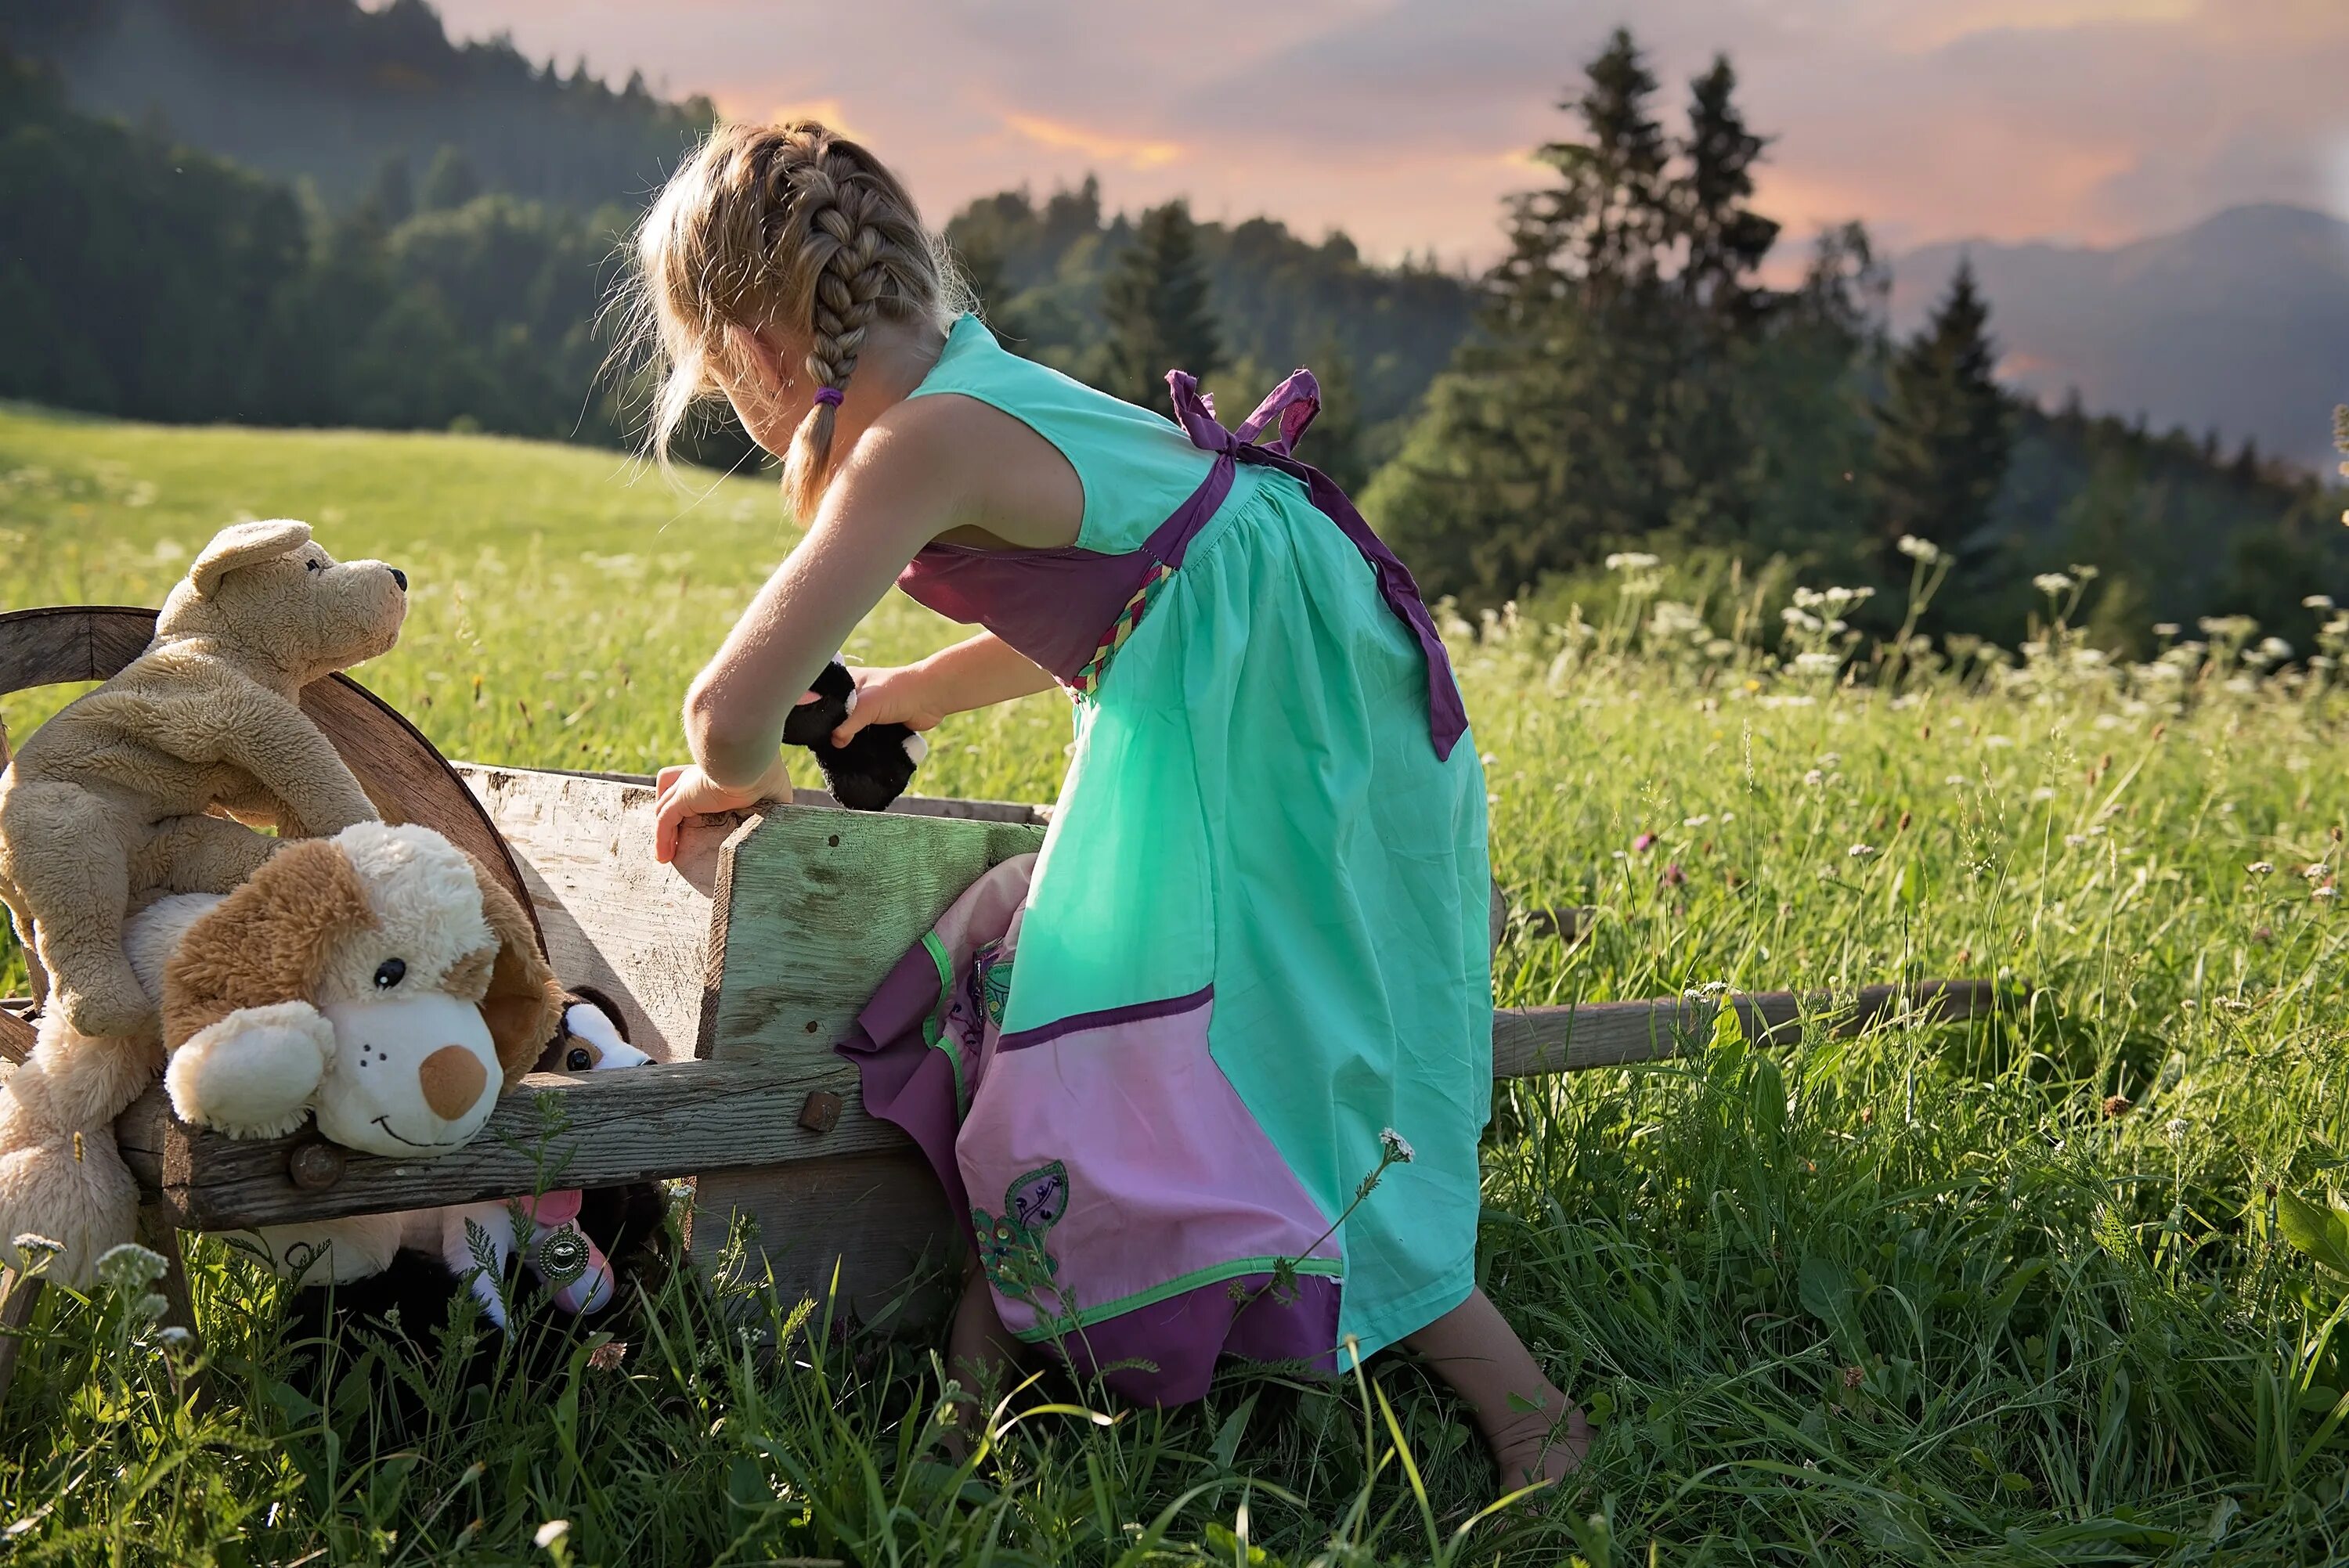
1292	405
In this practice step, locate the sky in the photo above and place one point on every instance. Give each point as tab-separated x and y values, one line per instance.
1405	122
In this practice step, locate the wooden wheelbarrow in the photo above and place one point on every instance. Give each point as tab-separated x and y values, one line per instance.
738	966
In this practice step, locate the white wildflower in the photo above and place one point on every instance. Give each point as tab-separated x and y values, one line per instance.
552	1530
1861	851
1698	820
2317	601
2176	1129
2042	793
1817	664
2275	648
1397	1147
2314	870
2085	573
2074	840
1916	548
1801	620
2166	628
1632	560
1814	778
128	1266
2261	868
1955	780
2053	582
2327	891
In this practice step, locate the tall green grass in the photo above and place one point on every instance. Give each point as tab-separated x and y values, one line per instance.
2018	1292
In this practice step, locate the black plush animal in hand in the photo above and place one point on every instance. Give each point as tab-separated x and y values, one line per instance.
878	761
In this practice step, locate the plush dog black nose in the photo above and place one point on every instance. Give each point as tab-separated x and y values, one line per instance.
400	577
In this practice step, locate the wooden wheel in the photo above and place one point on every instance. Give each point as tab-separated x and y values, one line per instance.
401	771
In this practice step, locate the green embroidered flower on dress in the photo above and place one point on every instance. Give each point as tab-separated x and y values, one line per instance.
1012	1245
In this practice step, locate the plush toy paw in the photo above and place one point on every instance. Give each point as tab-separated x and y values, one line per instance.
70	1189
325	1252
874	768
253	1073
110	1012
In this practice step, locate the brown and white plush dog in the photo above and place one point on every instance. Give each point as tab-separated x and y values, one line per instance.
379	980
111	801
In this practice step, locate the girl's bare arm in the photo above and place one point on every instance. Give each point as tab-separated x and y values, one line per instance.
977	672
897	492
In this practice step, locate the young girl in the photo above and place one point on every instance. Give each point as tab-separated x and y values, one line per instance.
1252	958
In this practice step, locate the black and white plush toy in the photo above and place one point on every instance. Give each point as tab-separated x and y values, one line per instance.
413	1295
877	763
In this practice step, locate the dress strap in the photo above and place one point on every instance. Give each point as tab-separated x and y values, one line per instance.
1287	411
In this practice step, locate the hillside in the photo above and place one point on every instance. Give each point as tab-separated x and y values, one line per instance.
327	90
2240	324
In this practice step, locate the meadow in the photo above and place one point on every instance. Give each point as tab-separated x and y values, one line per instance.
2059	1286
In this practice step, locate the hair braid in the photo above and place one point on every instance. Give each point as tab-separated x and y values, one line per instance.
793	227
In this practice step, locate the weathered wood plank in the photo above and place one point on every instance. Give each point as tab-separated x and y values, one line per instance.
16	1028
612	916
676	1118
1531	1041
742	1117
18	1297
814	908
61	643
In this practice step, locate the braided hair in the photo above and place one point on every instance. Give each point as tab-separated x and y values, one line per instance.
786	225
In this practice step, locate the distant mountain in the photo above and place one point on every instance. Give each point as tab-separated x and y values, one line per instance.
331	91
2240	324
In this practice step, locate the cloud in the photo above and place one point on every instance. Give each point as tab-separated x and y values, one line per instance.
1130	152
1404	121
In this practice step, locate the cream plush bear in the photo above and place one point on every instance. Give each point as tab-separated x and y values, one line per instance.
141	789
116	800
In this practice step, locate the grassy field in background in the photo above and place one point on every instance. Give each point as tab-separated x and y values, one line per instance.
2017	1293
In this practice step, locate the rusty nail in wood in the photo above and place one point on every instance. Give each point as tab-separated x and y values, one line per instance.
822	1111
315	1166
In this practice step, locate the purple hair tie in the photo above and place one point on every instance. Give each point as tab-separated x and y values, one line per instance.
832	395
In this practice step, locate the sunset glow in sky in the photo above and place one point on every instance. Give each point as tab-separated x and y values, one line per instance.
1405	121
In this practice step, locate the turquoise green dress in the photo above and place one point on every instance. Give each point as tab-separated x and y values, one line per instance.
1156	1063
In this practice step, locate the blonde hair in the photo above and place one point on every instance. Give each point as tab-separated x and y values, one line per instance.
788	225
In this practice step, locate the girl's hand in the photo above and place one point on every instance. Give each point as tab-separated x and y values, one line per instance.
687	791
905	695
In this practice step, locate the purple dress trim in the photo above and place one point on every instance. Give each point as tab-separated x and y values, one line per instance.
1132	1013
1057	606
1177	1342
906	1082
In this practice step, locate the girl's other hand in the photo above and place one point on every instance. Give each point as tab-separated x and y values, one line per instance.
687	791
903	695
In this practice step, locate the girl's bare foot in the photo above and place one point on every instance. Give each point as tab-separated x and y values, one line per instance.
1534	1431
1537	1445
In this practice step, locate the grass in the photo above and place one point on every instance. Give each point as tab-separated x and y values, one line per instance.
2017	1293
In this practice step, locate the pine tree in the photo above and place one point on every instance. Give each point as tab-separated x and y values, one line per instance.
1943	432
1155	301
1726	240
392	200
1334	445
449	182
1609	400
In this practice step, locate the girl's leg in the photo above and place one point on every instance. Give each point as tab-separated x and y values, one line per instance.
981	1355
1537	1435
